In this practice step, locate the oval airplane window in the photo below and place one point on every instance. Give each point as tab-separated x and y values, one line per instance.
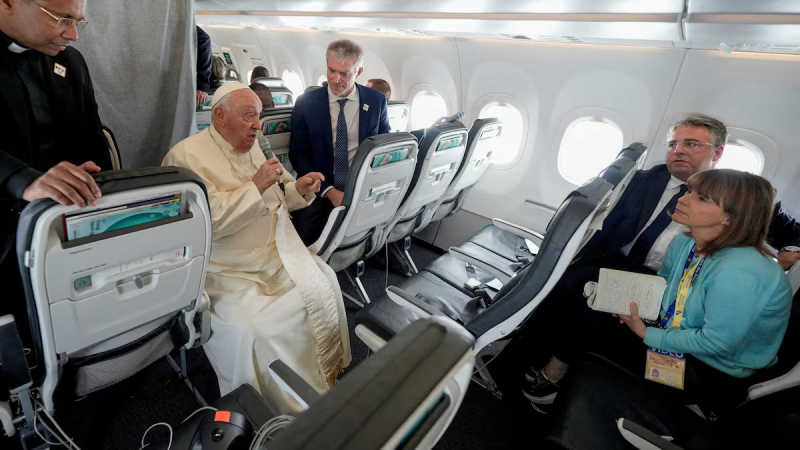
742	155
293	82
508	146
426	108
589	144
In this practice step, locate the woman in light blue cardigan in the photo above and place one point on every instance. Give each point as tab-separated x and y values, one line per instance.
738	306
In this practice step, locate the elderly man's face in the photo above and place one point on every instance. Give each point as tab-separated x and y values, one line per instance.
238	122
32	27
690	151
342	75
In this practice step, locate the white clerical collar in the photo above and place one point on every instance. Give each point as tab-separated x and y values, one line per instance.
223	144
333	98
16	48
674	183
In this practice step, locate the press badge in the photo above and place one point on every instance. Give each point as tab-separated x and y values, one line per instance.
60	70
665	367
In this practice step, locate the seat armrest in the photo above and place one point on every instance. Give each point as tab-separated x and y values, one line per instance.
293	384
408	301
794	277
642	438
519	230
785	381
466	256
331	226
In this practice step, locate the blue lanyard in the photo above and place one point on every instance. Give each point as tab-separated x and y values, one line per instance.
671	309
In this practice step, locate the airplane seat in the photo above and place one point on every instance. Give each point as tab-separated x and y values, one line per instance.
314	88
101	308
491	320
270	82
498	251
482	138
203	117
113	148
283	97
380	174
404	396
276	124
438	158
398	112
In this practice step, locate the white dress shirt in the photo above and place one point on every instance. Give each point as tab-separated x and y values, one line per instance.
350	118
655	257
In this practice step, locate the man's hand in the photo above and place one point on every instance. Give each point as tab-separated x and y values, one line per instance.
634	322
67	184
787	259
201	97
309	183
268	174
335	196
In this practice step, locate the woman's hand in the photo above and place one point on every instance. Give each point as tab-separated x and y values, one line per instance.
634	322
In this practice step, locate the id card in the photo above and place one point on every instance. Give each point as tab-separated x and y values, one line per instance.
665	367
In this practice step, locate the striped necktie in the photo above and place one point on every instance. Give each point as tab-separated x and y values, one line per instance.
341	167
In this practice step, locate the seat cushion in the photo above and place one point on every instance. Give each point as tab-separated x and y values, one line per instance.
502	243
454	272
386	318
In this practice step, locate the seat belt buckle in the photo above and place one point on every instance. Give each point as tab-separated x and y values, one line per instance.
472	284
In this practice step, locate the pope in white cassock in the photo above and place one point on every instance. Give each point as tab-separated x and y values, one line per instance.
271	298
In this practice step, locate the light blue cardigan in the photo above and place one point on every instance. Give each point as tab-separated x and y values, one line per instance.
736	313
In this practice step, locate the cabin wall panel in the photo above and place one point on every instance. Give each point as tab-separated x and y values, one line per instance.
551	81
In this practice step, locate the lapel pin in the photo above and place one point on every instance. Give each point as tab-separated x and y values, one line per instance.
60	70
366	106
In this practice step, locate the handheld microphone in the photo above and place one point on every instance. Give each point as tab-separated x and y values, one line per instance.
266	149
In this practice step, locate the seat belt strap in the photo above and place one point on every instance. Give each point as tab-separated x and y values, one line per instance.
475	286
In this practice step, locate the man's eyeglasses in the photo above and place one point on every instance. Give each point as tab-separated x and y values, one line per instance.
688	145
64	23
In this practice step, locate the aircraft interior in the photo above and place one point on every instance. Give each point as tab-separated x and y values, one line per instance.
509	167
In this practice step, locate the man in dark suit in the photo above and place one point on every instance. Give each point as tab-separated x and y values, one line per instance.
634	238
52	136
327	127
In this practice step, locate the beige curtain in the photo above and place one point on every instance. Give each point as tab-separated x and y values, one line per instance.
141	56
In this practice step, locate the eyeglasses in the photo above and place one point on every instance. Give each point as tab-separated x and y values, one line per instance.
688	145
64	23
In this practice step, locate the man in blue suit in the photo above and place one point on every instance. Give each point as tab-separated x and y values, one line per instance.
327	127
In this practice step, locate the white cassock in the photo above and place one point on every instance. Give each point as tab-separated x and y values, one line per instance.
271	298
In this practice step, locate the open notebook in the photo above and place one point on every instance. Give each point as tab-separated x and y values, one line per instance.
615	290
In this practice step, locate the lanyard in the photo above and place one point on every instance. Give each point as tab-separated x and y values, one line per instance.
689	275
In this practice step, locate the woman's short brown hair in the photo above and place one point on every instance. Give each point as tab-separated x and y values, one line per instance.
748	199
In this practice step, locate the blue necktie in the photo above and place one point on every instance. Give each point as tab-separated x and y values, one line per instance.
340	164
648	237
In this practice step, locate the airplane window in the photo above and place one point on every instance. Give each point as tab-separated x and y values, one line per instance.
588	145
742	155
293	82
508	146
321	80
426	108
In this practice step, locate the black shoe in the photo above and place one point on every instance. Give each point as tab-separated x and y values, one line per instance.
530	374
541	390
541	409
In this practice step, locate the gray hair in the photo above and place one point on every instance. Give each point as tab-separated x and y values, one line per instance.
719	133
344	49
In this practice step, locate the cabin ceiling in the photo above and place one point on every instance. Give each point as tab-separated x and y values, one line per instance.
730	25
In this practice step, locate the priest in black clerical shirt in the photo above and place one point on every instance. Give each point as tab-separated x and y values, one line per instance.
52	138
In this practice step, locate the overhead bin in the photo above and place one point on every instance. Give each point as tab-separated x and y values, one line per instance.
773	25
611	19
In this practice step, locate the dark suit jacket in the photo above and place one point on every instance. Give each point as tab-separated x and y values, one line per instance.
203	60
76	123
311	145
639	201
